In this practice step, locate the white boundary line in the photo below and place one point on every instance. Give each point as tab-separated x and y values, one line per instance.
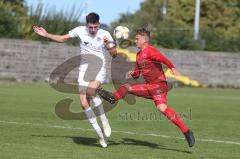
123	132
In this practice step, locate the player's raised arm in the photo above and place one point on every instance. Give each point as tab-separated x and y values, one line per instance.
42	32
159	57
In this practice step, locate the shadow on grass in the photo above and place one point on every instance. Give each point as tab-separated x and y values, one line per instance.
81	140
128	141
90	141
124	141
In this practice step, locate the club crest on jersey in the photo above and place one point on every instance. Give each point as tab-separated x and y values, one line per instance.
144	56
98	39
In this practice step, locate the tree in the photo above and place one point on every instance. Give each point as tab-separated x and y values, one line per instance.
57	22
219	23
17	20
12	17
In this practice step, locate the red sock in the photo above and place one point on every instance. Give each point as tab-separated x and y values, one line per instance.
121	92
173	116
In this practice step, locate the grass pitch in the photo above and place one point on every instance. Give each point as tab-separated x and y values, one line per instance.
29	127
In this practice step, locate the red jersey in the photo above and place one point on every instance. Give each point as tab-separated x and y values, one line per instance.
149	64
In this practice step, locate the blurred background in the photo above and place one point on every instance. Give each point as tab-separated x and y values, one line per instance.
200	36
171	21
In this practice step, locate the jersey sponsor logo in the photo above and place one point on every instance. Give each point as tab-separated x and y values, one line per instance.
91	46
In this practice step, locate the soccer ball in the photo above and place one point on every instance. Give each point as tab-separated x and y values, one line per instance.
121	33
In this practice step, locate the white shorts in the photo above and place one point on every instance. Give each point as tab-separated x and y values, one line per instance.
85	76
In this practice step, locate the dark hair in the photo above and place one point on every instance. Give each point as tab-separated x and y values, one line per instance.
92	18
143	32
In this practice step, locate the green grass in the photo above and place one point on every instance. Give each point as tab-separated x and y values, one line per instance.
30	129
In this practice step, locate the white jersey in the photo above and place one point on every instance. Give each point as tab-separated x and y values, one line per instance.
92	45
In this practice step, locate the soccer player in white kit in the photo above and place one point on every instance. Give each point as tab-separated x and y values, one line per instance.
93	41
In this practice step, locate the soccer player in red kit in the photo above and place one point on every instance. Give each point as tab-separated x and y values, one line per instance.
149	64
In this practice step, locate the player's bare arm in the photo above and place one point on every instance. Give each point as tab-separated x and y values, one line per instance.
42	32
110	47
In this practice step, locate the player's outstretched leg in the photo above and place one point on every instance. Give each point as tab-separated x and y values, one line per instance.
112	98
190	138
175	118
108	96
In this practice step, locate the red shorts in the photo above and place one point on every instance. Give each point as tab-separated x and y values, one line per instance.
157	92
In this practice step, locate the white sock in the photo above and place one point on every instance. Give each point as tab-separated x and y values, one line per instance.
93	121
97	102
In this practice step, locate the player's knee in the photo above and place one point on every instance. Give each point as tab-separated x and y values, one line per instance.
93	85
84	102
162	107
